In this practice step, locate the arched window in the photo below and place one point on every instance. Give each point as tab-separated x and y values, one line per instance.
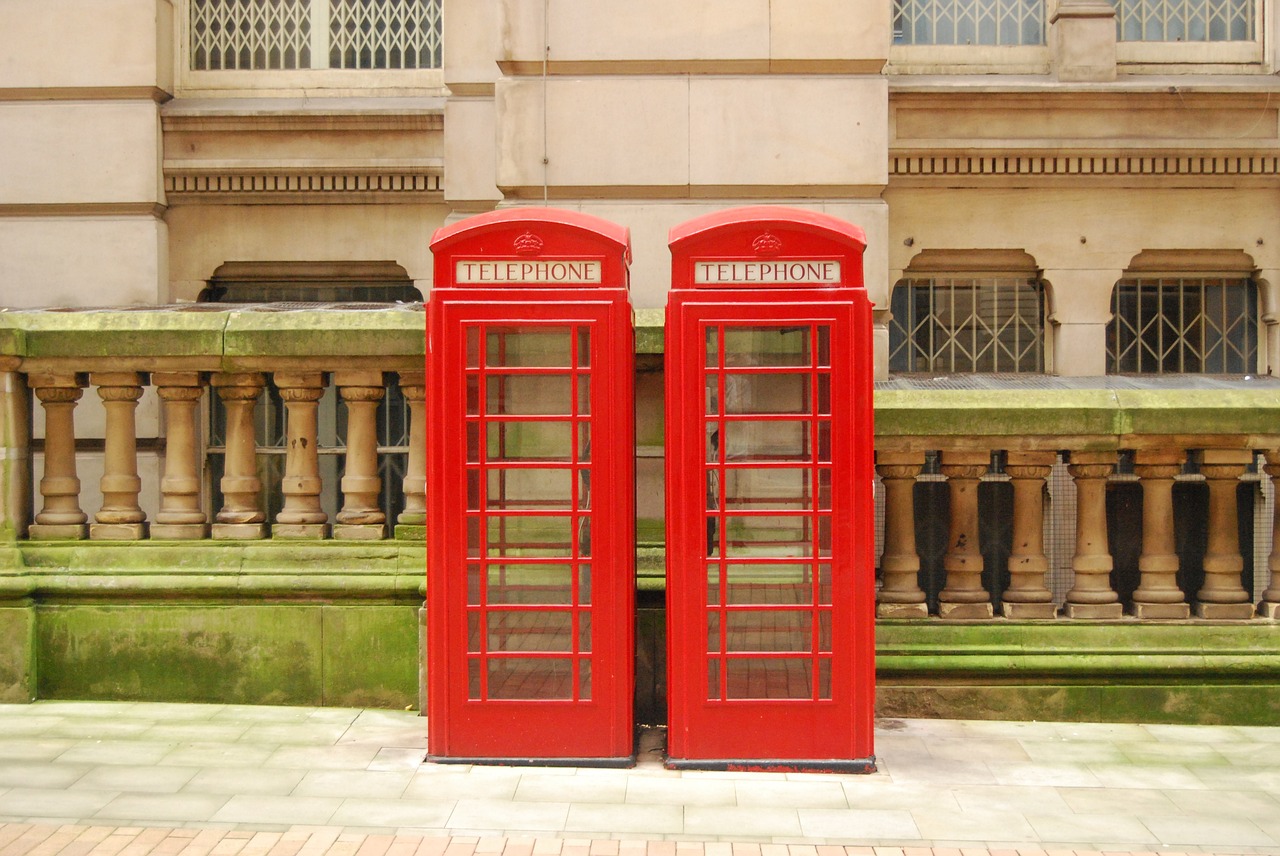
1184	313
968	311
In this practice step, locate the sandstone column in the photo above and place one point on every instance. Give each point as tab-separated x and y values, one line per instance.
240	517
1158	595
302	516
120	518
1092	596
900	594
1027	595
180	516
1223	595
414	387
964	596
361	516
60	517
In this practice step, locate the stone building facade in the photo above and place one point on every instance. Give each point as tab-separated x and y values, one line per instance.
1071	211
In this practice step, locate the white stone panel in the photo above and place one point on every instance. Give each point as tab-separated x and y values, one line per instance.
86	43
794	132
598	131
624	31
820	30
79	152
471	42
82	261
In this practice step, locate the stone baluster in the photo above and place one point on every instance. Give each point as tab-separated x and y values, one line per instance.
964	596
900	594
15	456
413	385
1270	605
60	517
180	517
240	518
1158	595
301	516
1223	595
1027	595
361	516
120	518
1091	595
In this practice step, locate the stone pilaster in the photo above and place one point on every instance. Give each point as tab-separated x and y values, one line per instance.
1027	595
180	517
1223	596
1084	40
120	518
240	518
361	517
900	594
1158	595
964	596
302	516
1092	596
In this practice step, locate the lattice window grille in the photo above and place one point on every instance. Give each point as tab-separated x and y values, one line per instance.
1185	20
250	34
1177	325
269	35
384	34
967	324
968	22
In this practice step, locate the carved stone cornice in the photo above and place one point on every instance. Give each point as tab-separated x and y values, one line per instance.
977	165
291	183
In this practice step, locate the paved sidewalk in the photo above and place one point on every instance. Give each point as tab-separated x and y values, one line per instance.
128	779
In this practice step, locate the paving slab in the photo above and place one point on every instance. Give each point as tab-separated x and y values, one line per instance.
281	781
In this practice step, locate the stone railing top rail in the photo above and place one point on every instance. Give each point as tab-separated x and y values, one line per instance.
912	411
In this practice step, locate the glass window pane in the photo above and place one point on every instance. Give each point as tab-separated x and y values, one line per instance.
767	346
769	584
529	584
529	536
529	630
772	678
529	441
768	393
530	678
529	489
542	347
528	395
768	631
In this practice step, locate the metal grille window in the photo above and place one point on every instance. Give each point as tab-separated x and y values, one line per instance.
1167	325
968	22
967	324
261	35
1185	20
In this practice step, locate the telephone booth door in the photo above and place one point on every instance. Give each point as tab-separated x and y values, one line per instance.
530	579
770	541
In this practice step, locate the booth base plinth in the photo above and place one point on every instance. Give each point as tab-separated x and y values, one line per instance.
609	763
775	765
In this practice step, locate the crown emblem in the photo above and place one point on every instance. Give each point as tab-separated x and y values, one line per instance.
528	244
767	244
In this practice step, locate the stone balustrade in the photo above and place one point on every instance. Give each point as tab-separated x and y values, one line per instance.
1083	429
189	354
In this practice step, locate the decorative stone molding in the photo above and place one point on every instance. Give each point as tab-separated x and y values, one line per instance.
274	185
1012	163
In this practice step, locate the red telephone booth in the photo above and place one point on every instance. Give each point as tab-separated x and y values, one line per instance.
770	539
530	473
